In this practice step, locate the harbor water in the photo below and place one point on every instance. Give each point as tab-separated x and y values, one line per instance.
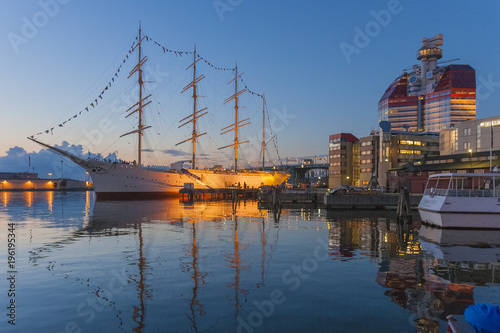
81	265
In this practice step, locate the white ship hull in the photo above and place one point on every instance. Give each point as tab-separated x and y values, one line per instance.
119	180
461	201
460	212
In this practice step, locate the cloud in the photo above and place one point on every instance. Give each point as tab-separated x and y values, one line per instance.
16	152
43	162
173	152
147	150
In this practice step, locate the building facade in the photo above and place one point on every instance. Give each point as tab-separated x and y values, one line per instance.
399	148
428	97
368	159
343	160
366	162
471	136
414	175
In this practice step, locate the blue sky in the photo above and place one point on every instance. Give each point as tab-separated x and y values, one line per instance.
289	50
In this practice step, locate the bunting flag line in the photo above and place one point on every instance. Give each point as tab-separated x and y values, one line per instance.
132	48
95	103
181	53
250	91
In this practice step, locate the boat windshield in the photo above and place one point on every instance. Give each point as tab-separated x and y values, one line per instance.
464	185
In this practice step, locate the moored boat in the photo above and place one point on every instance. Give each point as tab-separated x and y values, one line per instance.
462	200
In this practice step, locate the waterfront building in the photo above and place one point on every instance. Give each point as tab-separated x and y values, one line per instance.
368	159
398	148
14	181
343	160
18	175
478	135
414	175
429	97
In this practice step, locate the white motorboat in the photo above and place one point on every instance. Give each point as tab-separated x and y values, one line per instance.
462	200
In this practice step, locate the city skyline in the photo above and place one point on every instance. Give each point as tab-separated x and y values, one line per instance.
323	67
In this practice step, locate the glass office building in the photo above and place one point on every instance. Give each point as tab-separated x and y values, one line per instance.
429	98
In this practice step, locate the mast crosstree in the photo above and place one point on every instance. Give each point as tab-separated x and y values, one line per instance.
140	105
237	123
196	113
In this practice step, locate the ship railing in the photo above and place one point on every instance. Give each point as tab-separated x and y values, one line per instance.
462	193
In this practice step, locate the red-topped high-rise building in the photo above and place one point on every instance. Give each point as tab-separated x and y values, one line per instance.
429	98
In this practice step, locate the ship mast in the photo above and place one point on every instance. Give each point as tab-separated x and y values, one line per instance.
140	105
263	130
237	123
196	114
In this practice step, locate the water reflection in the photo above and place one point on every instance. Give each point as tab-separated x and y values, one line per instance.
50	200
6	197
141	220
431	272
202	266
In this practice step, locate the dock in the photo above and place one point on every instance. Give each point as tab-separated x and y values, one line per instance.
295	196
228	193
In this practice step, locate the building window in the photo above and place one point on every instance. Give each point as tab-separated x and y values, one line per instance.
334	146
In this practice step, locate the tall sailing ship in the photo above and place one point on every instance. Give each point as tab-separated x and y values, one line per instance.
114	180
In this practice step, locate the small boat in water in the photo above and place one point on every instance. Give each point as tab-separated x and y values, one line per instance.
462	200
484	318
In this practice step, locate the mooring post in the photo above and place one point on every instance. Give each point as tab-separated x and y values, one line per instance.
403	209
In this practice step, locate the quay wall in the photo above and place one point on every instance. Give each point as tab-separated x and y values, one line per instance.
380	201
42	184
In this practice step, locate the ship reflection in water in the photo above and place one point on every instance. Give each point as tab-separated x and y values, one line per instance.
165	265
